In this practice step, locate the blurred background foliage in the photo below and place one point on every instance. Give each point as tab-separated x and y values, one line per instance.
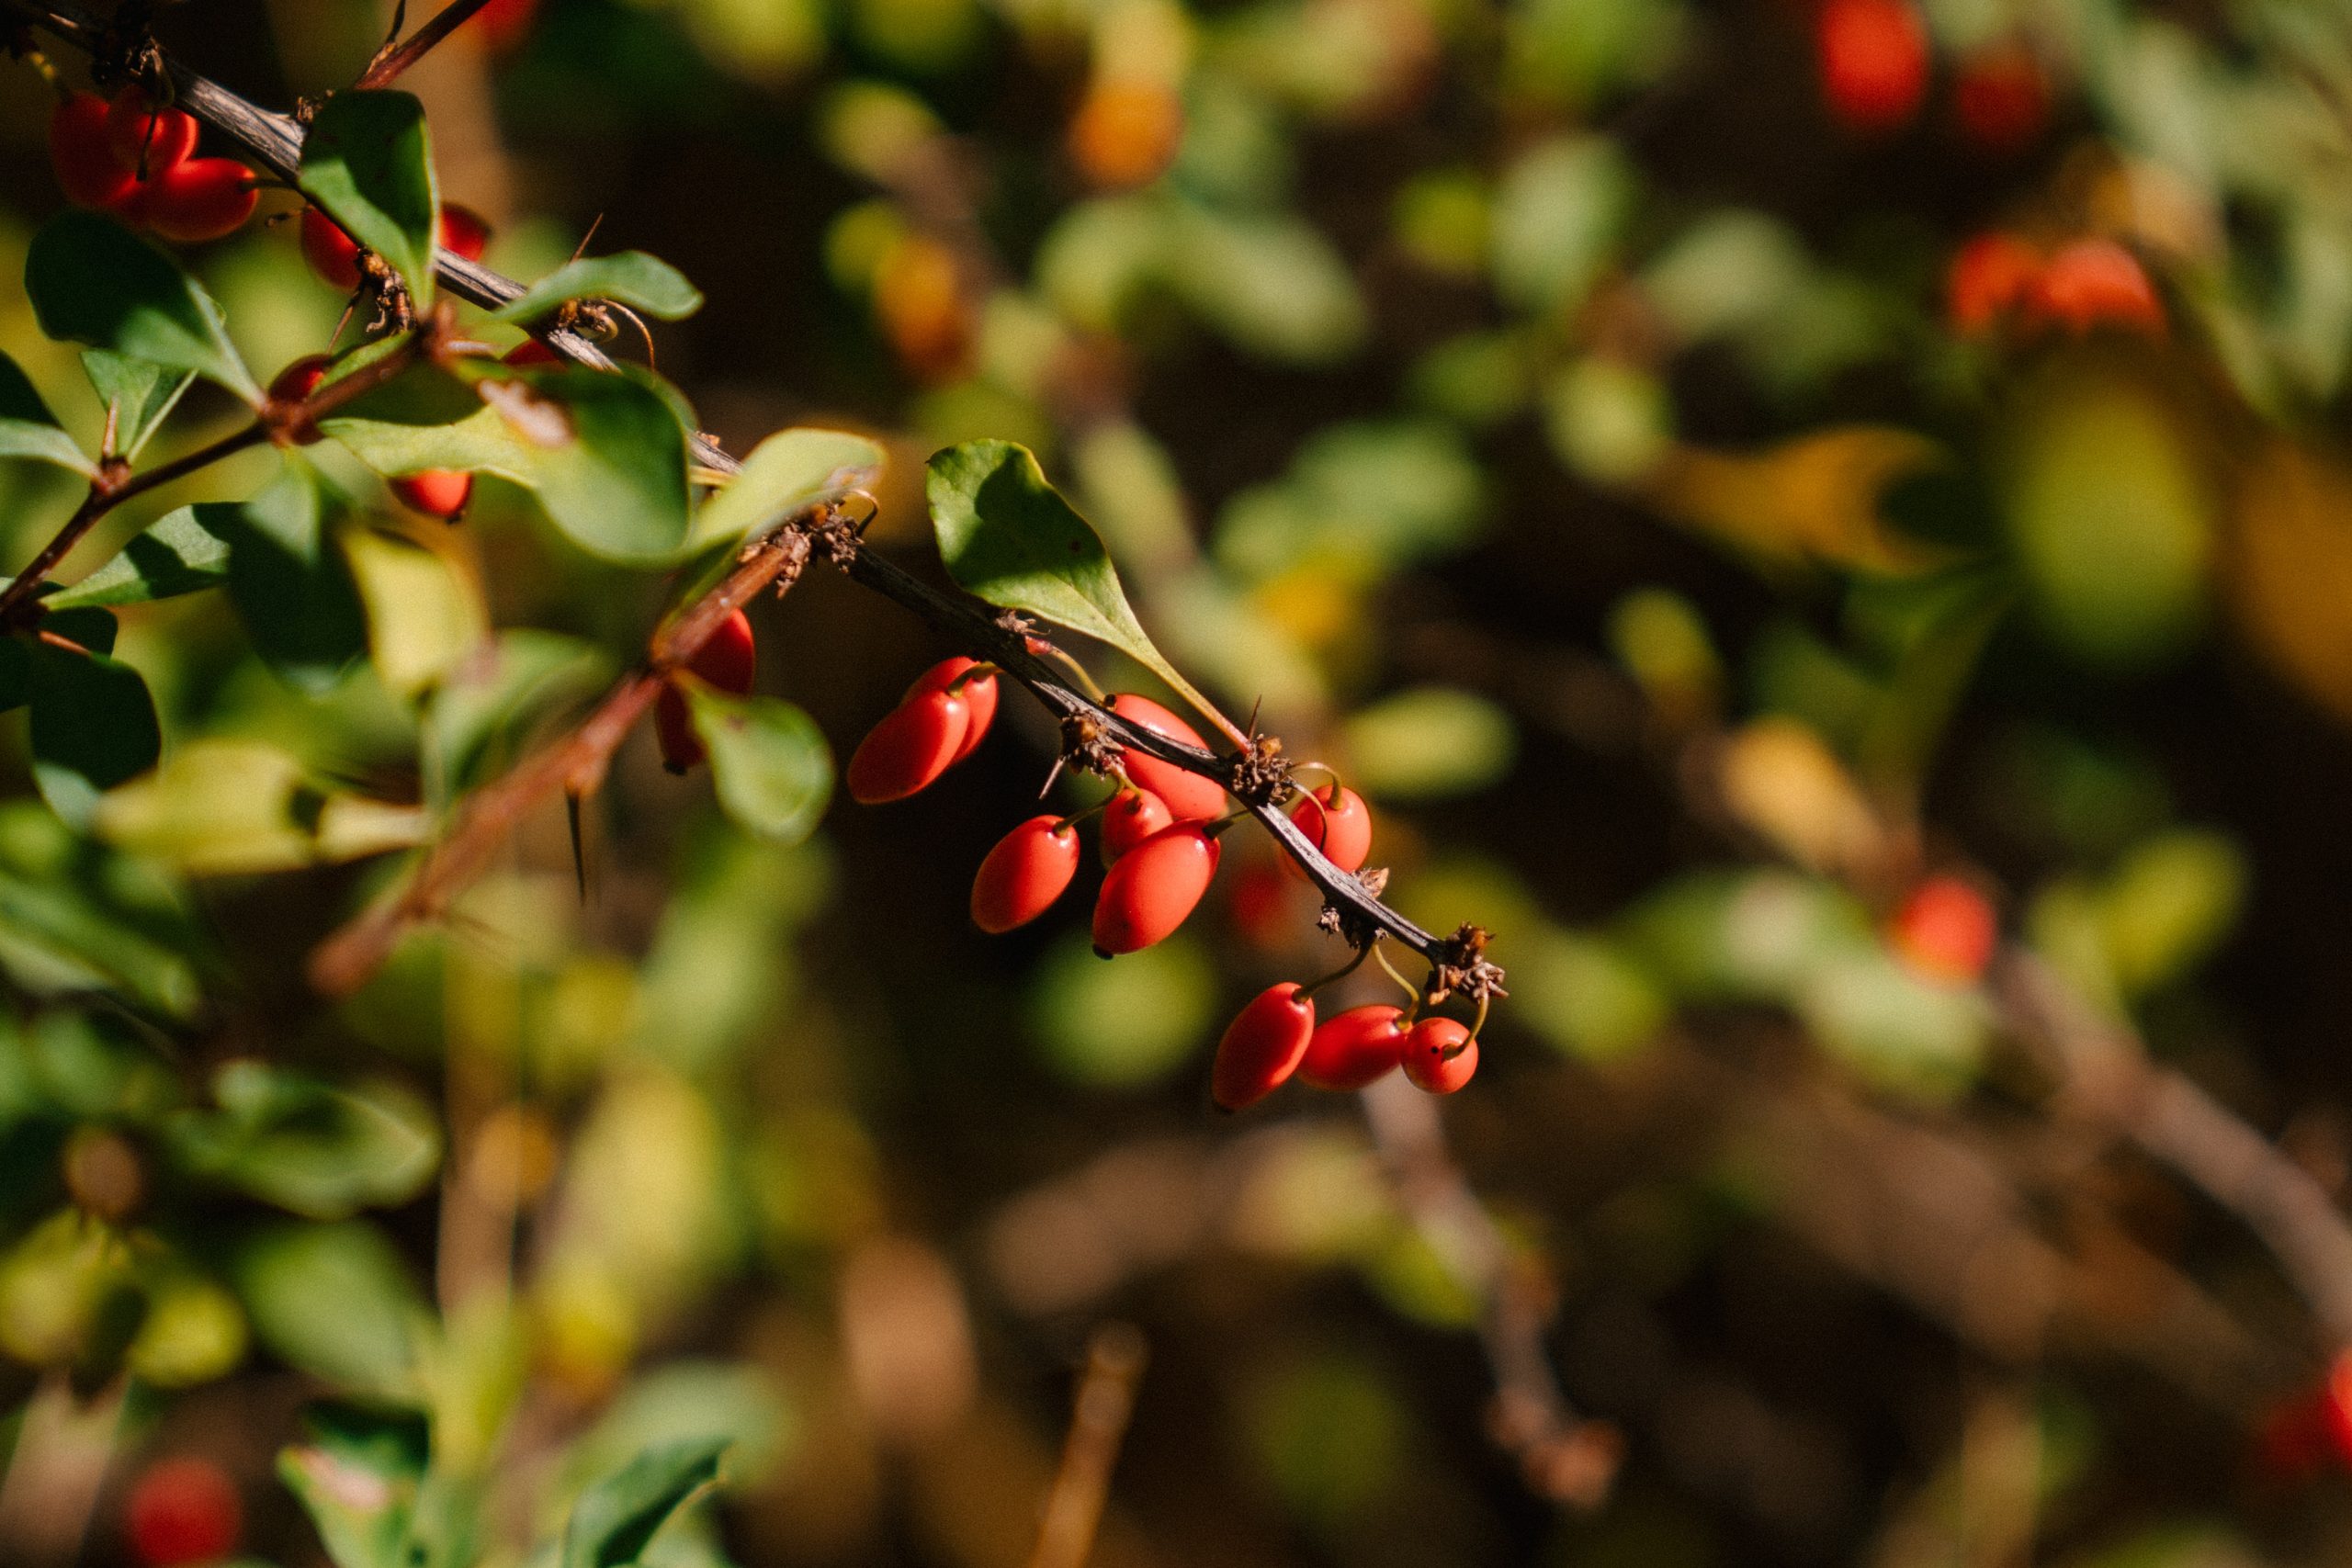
1549	414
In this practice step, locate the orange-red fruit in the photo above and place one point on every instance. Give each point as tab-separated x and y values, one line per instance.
333	255
728	661
1336	820
199	199
464	233
1873	62
978	692
2002	98
436	492
183	1511
504	23
86	168
298	381
1151	888
2335	1403
1189	797
1126	133
1360	1047
1439	1055
1989	277
1029	868
2096	283
144	138
1262	1047
1133	815
529	352
1946	929
916	741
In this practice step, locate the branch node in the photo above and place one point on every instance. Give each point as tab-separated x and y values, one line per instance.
1462	968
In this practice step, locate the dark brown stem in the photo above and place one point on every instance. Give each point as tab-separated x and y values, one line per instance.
395	58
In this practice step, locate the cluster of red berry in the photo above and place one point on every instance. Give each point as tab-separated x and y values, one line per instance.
134	158
2001	278
183	1513
1875	63
1161	830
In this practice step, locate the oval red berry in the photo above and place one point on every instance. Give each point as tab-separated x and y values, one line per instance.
144	139
729	660
2094	283
1439	1055
183	1511
1189	797
915	742
436	492
1355	1048
673	727
1028	869
1873	62
464	231
1262	1047
1337	821
1946	929
198	200
1133	815
1152	887
86	167
332	253
978	692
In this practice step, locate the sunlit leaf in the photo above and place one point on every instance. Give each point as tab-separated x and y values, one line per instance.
368	163
1815	497
424	617
647	285
769	761
313	1148
286	1273
786	472
139	394
176	554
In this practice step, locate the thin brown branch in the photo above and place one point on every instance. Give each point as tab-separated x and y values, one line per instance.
395	58
1106	1402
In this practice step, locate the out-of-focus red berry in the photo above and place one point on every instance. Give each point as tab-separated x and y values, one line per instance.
436	492
1262	1047
1189	797
298	381
505	24
1873	57
1028	869
333	255
2094	283
531	353
144	137
2001	98
1989	277
86	168
729	661
199	199
464	231
1946	929
183	1512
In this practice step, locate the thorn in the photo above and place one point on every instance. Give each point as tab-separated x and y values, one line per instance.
579	852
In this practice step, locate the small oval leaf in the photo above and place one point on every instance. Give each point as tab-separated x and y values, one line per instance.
92	281
368	163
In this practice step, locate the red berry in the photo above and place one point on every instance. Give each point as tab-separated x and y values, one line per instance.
504	23
1152	887
333	255
2093	282
1133	815
2002	98
1873	62
1258	899
529	352
1189	797
144	139
2336	1405
916	741
202	199
1439	1055
1989	277
978	692
1262	1047
673	730
298	381
464	233
86	167
1946	929
1360	1047
729	660
436	492
1338	822
1028	869
183	1511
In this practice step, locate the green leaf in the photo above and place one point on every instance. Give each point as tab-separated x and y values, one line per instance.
424	618
615	1518
139	393
368	163
291	586
1429	741
92	281
647	285
768	762
176	554
286	1274
94	727
784	473
317	1150
28	429
358	1475
1009	537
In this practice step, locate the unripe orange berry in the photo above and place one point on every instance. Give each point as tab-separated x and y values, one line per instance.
1874	58
2094	283
183	1512
333	255
144	139
1133	815
978	692
1337	821
1189	797
199	199
1151	888
915	742
1028	869
1439	1055
436	492
1946	929
85	165
464	231
1989	277
1262	1047
1360	1047
1126	133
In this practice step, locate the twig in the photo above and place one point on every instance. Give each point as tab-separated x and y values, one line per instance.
1106	1402
395	58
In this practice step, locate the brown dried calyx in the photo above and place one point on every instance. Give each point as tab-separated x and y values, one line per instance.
1462	968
